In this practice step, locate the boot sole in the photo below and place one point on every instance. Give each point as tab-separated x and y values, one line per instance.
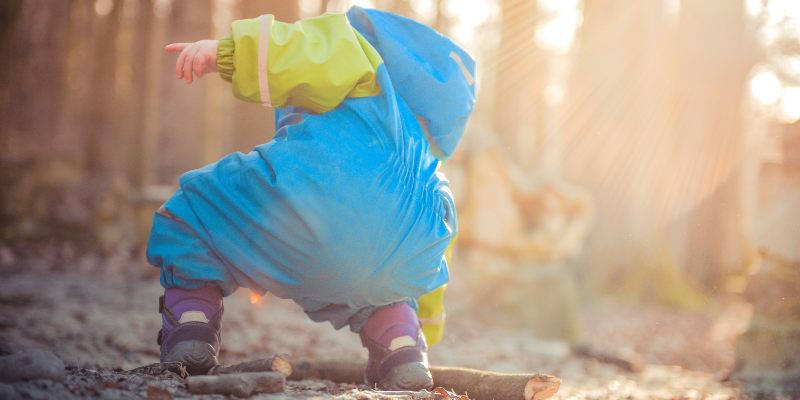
413	376
197	356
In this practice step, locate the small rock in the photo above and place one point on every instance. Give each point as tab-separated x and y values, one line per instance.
238	384
7	391
158	392
6	347
308	384
31	364
7	256
42	390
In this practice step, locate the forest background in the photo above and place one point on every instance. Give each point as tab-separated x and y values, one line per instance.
638	152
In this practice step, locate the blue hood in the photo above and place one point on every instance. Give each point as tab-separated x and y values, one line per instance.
433	75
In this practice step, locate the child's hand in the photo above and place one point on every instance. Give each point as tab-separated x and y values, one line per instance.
199	57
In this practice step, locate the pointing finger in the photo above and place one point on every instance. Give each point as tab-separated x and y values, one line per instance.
176	47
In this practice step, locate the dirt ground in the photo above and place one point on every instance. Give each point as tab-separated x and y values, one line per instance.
102	322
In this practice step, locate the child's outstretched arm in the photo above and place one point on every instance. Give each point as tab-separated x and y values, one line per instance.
314	63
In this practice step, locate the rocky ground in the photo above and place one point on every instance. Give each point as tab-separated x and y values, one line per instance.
103	322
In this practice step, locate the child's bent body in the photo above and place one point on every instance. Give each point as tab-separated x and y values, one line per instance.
344	211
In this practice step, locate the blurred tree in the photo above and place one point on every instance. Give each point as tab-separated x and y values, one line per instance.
610	83
768	353
147	75
402	7
98	142
441	22
31	93
78	75
520	77
515	217
141	92
712	79
254	124
182	117
654	128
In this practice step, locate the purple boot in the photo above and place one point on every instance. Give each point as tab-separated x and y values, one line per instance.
398	357
191	324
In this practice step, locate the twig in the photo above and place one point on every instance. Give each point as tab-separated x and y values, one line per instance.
476	383
239	384
276	363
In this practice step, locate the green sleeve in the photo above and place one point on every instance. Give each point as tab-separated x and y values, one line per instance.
314	63
225	49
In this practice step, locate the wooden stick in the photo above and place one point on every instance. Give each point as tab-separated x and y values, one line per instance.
240	385
339	371
479	384
276	363
476	383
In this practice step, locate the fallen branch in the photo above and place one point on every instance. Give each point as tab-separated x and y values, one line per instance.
339	371
487	385
238	384
156	369
276	363
477	384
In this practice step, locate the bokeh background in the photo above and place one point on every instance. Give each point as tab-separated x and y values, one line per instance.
631	172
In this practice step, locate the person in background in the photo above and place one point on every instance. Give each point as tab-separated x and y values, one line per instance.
344	211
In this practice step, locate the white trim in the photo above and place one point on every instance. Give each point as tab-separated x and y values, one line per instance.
193	316
263	60
402	341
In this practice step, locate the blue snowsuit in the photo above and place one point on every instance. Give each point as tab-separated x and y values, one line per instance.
343	210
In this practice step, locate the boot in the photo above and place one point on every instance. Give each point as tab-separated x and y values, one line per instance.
398	357
190	333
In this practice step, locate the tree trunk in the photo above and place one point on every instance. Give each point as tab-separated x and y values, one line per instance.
653	129
520	76
142	91
31	94
714	81
180	138
99	130
254	124
769	352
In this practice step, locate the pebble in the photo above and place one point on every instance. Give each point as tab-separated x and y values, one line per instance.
158	392
313	385
30	365
7	391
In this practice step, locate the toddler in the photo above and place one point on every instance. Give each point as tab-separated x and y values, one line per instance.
343	211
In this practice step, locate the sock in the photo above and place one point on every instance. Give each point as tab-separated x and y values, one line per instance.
393	326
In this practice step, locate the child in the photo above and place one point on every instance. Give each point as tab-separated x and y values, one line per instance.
343	211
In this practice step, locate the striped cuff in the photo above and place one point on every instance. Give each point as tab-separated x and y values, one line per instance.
263	60
250	59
